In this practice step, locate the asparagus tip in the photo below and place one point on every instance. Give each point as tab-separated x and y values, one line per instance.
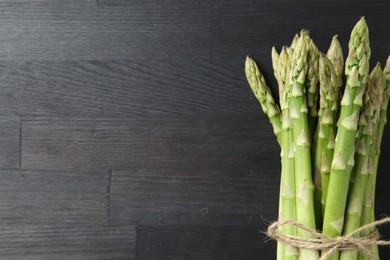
274	54
248	61
361	26
377	71
294	41
305	33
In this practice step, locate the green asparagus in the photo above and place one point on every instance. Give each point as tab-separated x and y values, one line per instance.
368	124
325	133
368	212
356	70
330	135
287	191
264	96
335	55
301	151
312	83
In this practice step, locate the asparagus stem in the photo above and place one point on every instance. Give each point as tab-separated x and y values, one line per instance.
368	124
335	55
264	96
356	70
287	190
298	113
368	214
325	133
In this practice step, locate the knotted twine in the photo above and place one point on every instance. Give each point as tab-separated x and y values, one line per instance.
353	241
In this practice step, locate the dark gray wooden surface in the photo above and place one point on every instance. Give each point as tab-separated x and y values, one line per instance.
127	129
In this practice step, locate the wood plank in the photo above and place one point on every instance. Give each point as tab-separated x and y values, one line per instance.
62	31
9	142
206	243
201	195
38	197
121	88
78	242
103	143
253	27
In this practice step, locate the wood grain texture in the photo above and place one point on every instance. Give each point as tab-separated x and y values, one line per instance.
194	195
9	142
104	143
206	243
78	242
37	197
62	31
154	93
121	88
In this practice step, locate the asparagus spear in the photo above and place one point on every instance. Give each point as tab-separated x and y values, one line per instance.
280	251
312	84
287	190
368	123
356	70
298	113
335	55
325	133
263	94
275	65
368	214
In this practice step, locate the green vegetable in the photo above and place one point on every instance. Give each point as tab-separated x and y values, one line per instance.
264	96
325	133
368	214
356	70
368	124
312	84
301	151
287	189
329	134
335	55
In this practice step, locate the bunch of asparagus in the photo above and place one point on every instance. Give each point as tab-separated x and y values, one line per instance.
329	133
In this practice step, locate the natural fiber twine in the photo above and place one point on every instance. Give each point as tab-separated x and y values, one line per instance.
353	241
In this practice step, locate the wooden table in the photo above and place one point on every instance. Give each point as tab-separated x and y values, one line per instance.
128	131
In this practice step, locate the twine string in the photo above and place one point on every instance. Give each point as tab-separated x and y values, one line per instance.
318	241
